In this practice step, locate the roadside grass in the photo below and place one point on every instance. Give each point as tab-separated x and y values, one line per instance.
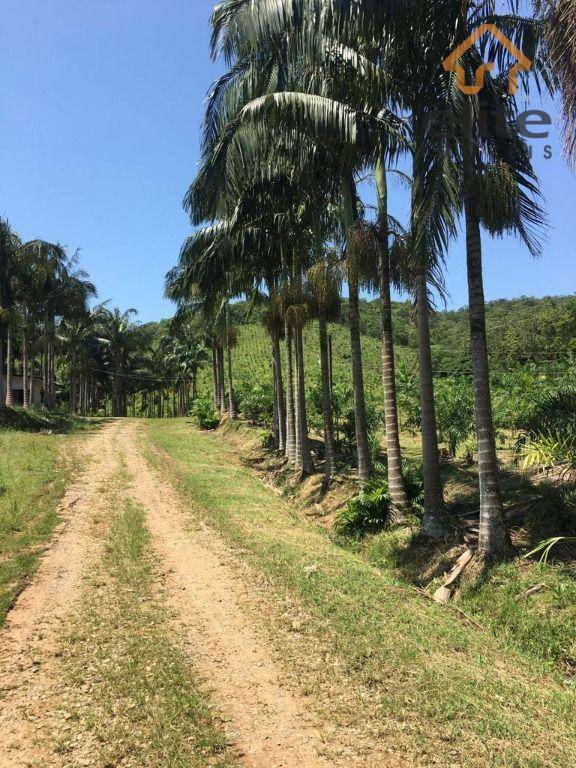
35	420
442	691
33	477
141	705
540	623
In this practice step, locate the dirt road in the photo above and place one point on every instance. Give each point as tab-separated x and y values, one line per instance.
268	721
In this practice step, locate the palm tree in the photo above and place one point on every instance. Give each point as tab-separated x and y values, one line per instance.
242	98
9	247
350	207
396	486
274	322
323	285
559	17
253	243
186	352
499	189
120	337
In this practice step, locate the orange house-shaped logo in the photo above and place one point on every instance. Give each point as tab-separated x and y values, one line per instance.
450	64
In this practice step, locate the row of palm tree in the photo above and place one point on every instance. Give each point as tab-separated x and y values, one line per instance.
90	359
39	284
320	96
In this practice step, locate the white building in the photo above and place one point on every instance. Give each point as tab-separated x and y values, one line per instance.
18	390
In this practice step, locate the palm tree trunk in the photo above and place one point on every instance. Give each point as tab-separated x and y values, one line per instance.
46	361
222	379
290	411
331	362
72	385
31	375
44	370
52	372
275	410
396	485
25	383
9	364
493	542
2	390
362	445
329	446
231	399
304	454
279	391
434	507
215	379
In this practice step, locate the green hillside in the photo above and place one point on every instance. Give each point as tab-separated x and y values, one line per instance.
523	333
520	331
253	362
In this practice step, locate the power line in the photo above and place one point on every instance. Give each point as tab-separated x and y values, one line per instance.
141	377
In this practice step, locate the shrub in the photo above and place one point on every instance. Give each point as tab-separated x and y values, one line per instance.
552	412
553	511
268	441
549	431
414	482
204	414
377	453
548	449
454	412
257	404
369	512
366	513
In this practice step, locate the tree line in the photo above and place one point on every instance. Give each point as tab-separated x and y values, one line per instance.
89	358
319	98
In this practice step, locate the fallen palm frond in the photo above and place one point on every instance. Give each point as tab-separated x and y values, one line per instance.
545	548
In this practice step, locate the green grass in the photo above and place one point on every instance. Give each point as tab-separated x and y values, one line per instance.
34	420
445	692
32	480
142	704
542	624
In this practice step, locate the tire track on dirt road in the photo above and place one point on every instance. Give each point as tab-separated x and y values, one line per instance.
30	682
271	724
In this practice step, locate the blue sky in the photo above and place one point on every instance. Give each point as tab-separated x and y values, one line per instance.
101	103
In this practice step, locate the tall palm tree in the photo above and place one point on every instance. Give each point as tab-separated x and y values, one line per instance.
120	337
396	485
274	322
305	105
186	349
254	243
323	285
9	248
559	17
499	190
350	205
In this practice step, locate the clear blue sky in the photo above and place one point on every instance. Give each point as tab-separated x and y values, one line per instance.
100	108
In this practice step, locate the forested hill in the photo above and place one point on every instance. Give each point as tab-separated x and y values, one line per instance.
521	331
